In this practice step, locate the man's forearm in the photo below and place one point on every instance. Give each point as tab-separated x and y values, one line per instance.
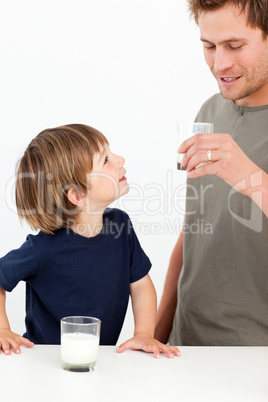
258	190
168	303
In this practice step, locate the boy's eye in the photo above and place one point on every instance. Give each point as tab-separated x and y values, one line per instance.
105	160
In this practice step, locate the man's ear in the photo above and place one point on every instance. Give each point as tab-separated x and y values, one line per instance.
75	197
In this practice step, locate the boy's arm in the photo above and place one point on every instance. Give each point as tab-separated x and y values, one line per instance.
9	339
168	303
143	298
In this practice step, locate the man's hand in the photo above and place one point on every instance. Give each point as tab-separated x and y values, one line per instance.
150	345
9	340
228	161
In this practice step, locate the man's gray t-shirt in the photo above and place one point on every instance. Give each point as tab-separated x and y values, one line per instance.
223	286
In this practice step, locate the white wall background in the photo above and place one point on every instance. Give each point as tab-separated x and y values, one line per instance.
130	68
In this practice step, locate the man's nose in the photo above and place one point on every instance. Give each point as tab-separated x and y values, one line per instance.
223	61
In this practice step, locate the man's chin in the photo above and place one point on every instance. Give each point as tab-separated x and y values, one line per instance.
229	96
234	95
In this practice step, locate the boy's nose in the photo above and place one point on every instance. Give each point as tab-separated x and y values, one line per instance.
121	161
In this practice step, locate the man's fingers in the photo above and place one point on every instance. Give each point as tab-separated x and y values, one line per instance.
201	157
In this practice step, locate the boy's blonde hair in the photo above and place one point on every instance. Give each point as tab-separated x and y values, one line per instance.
56	160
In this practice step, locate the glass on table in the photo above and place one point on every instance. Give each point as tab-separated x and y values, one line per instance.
187	130
80	337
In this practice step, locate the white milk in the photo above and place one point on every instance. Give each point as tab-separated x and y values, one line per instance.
78	348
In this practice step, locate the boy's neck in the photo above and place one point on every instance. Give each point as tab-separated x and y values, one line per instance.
88	225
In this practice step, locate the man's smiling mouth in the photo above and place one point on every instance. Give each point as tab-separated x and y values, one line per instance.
229	79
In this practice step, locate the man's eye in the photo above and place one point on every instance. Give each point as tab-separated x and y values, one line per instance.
105	160
235	47
210	47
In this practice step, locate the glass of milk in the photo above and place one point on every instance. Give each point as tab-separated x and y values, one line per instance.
187	130
80	338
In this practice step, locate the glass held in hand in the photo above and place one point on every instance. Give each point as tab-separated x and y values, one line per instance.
187	130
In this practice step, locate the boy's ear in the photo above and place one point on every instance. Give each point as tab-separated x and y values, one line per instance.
75	198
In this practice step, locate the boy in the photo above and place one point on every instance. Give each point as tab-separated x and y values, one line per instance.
86	259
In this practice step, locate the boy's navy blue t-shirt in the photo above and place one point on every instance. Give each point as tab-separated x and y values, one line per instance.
67	274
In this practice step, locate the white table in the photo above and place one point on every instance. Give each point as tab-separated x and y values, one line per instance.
218	374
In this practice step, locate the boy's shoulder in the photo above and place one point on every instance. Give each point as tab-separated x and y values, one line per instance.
117	222
112	217
115	214
32	245
37	237
43	240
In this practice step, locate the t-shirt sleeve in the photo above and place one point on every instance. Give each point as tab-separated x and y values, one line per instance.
18	265
140	264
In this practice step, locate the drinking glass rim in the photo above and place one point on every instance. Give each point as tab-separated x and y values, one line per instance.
73	317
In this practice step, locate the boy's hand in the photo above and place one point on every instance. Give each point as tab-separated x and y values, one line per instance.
9	340
148	344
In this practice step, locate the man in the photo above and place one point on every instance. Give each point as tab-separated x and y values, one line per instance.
222	274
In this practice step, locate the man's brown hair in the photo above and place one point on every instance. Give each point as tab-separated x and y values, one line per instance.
56	160
257	10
